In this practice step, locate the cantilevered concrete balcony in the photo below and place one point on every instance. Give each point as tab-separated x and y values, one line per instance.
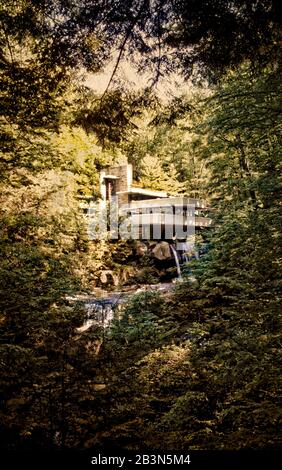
147	213
164	218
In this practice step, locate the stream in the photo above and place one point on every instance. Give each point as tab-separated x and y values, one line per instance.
100	306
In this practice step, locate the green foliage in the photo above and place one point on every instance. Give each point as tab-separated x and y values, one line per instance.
196	368
244	129
137	321
111	117
80	154
164	148
188	411
216	387
155	177
45	255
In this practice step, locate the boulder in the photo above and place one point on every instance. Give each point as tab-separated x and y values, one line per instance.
108	277
140	248
98	387
126	273
162	251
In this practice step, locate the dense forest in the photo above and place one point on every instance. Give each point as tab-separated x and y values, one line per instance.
193	367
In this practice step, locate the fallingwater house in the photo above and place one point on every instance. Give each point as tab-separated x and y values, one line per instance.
131	212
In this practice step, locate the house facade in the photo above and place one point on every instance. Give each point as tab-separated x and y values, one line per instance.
145	214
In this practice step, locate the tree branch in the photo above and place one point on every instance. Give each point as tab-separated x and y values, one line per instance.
122	47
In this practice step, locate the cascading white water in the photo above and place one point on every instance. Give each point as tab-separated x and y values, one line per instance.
98	313
175	254
188	251
101	312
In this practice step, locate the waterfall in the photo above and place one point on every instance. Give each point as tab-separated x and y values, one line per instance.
98	312
188	251
175	254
